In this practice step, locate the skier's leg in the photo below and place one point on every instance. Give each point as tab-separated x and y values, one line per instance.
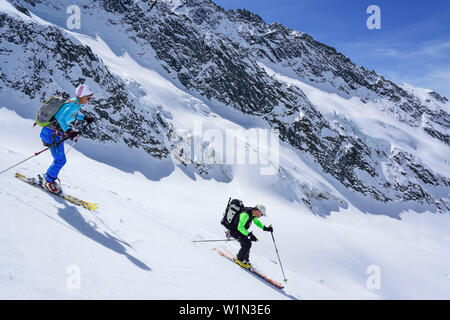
47	136
247	244
237	235
59	160
244	252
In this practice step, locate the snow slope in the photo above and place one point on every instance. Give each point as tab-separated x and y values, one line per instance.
138	243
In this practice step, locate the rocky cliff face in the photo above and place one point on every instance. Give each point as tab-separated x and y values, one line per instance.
38	61
216	53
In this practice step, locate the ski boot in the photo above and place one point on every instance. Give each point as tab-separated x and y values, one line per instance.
53	187
244	264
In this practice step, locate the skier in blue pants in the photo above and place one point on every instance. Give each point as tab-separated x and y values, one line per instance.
60	129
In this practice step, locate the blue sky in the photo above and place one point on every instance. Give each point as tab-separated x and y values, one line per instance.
413	44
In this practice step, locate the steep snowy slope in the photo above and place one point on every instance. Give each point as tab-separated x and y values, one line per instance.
138	243
153	162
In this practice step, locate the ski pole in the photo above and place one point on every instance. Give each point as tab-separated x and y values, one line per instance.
35	155
285	280
38	153
70	148
76	139
212	240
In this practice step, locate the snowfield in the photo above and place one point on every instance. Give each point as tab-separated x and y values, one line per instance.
138	243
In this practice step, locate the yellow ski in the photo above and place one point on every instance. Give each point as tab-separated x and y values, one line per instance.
35	182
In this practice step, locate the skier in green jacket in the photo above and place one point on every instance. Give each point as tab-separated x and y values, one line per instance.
239	230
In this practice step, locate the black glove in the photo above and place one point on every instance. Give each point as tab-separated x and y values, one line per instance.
252	237
89	120
269	228
71	134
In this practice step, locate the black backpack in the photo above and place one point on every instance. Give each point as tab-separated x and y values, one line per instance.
234	206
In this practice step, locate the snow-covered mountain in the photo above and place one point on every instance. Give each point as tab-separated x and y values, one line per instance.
224	57
172	76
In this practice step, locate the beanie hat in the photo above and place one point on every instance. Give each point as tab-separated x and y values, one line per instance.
82	91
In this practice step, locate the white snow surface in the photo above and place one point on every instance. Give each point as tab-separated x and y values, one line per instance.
138	243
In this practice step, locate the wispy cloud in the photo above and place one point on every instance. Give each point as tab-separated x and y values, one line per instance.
425	64
426	50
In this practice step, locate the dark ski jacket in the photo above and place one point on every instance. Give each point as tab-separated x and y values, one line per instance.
242	221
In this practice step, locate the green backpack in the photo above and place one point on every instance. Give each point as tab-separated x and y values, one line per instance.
44	117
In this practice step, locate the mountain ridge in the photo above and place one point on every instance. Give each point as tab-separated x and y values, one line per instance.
218	54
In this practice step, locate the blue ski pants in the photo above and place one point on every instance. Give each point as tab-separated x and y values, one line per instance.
50	136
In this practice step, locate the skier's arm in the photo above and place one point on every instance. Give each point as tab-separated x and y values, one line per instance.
243	218
258	223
